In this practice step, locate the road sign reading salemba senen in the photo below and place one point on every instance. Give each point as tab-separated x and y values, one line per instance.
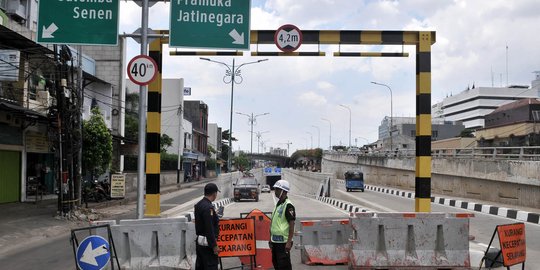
218	24
90	22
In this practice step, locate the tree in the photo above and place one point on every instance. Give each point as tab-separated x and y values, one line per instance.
241	161
165	142
97	144
132	116
225	144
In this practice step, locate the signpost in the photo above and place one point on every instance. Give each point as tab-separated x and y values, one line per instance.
93	253
118	186
236	237
142	70
513	245
288	38
222	24
78	22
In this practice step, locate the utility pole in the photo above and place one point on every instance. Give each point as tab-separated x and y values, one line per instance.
259	135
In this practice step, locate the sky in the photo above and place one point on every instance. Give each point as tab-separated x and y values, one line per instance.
474	39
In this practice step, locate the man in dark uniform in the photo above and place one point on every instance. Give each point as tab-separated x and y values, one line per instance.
207	229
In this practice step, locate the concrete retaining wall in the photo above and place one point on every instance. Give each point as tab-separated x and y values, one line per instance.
166	179
304	182
508	182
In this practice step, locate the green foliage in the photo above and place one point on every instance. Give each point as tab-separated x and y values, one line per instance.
165	142
241	161
132	116
97	144
211	150
211	164
466	133
307	153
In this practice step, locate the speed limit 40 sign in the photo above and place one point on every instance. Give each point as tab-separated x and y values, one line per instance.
142	70
288	38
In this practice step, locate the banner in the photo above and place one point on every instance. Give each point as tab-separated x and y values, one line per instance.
236	238
118	186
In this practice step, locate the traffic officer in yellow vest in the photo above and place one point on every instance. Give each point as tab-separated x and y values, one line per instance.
282	227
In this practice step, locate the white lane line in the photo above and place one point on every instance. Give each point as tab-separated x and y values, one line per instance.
175	211
340	210
385	209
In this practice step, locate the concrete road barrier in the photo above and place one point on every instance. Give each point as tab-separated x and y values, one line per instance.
409	241
324	241
167	243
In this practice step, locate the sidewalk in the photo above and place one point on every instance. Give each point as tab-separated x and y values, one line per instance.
22	224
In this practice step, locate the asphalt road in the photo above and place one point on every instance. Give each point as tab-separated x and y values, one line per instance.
57	252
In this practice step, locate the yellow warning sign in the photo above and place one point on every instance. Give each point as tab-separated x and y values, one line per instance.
236	238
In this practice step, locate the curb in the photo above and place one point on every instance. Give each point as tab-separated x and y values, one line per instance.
347	206
510	213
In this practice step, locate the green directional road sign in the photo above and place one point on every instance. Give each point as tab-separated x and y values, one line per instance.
218	24
90	22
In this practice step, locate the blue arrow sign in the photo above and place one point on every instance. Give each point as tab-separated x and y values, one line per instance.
277	170
93	253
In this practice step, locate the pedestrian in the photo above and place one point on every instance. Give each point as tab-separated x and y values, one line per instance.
282	227
207	230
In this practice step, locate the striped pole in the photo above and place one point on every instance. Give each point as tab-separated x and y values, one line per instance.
423	123
153	135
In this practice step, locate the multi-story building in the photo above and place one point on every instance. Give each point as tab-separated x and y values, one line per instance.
37	90
473	104
513	124
278	151
196	112
404	131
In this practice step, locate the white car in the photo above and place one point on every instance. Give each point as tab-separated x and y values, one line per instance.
265	188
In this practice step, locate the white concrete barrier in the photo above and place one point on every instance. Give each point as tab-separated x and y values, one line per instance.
393	240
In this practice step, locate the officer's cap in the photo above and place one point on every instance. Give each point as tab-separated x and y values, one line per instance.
211	188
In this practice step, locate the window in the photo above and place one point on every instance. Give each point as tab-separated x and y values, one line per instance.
435	134
413	133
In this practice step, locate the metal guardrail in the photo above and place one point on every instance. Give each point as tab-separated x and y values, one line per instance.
508	153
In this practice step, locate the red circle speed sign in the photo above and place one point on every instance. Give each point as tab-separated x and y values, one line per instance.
288	38
142	70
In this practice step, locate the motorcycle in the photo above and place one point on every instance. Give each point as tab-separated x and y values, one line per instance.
96	191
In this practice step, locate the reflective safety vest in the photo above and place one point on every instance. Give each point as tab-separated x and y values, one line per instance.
279	229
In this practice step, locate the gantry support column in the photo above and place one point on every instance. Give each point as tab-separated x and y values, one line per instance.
153	135
423	123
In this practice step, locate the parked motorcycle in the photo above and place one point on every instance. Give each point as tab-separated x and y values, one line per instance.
96	191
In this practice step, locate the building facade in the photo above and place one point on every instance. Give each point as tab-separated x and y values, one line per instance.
196	112
39	89
404	131
515	124
473	104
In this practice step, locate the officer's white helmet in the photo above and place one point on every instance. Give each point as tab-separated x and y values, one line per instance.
282	184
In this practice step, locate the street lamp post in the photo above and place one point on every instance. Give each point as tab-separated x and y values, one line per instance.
318	136
330	143
259	135
311	136
252	118
233	73
350	121
391	111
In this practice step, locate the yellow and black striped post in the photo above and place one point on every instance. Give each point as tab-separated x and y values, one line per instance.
423	123
153	135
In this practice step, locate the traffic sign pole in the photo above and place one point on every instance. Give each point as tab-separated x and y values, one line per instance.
143	90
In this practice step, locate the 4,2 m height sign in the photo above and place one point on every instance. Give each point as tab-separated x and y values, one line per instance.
90	22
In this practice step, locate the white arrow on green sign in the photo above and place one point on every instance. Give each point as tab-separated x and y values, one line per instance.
90	22
218	24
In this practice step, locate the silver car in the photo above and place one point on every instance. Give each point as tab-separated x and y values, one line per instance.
265	188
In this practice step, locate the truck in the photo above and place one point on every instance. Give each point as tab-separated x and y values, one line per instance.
354	180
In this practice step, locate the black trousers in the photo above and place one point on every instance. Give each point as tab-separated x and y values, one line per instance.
281	259
206	259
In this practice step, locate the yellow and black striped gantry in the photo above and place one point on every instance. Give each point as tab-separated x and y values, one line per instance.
421	39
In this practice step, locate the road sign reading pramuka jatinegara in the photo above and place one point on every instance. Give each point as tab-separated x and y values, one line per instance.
78	22
218	24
